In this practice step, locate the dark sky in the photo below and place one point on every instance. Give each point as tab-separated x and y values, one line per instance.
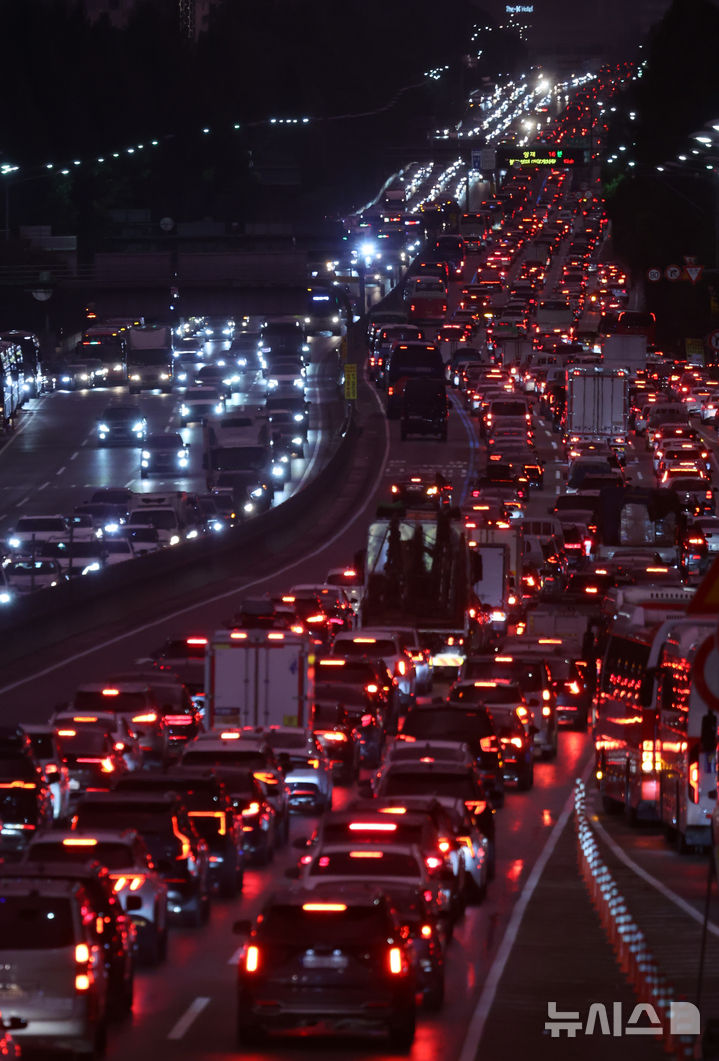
573	27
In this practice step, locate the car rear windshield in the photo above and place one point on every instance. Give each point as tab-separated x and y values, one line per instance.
526	674
99	700
233	757
35	923
430	783
18	806
370	647
447	724
114	856
84	740
488	692
124	816
364	862
308	929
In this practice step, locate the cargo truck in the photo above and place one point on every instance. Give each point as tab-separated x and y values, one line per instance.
259	678
625	351
597	404
150	358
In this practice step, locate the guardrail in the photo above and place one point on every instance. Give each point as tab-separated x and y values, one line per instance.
630	947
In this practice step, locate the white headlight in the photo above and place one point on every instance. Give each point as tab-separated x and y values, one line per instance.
175	539
257	492
14	543
5	597
298	418
145	454
248	507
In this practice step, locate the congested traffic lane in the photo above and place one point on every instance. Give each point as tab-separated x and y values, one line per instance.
171	1010
190	1004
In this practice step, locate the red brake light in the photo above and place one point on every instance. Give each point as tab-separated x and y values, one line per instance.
252	958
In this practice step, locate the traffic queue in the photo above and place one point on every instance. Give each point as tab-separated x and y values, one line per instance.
421	682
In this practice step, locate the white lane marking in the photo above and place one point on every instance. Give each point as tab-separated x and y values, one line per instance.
470	1047
74	455
554	445
60	470
233	960
193	1011
23	502
682	904
27	419
228	593
43	486
85	441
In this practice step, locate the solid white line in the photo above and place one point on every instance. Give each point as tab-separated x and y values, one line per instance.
677	900
220	596
470	1047
194	1010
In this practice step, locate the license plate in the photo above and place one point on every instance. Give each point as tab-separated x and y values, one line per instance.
322	961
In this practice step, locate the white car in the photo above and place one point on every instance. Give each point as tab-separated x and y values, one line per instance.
140	888
307	768
25	575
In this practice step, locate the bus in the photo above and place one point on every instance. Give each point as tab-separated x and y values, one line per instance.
34	378
106	343
12	378
683	656
324	310
625	718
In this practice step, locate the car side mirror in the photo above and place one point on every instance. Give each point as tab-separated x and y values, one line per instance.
242	928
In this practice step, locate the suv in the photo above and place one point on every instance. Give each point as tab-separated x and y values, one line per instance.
111	928
385	645
178	851
210	807
136	882
52	965
339	958
164	455
531	673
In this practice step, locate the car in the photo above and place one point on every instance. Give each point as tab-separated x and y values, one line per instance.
443	780
338	958
49	757
179	853
164	454
529	670
212	812
31	529
26	807
239	748
121	424
199	403
468	723
135	881
306	765
355	709
138	704
181	717
53	964
384	645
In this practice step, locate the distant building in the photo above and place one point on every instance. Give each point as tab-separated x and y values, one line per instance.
519	16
